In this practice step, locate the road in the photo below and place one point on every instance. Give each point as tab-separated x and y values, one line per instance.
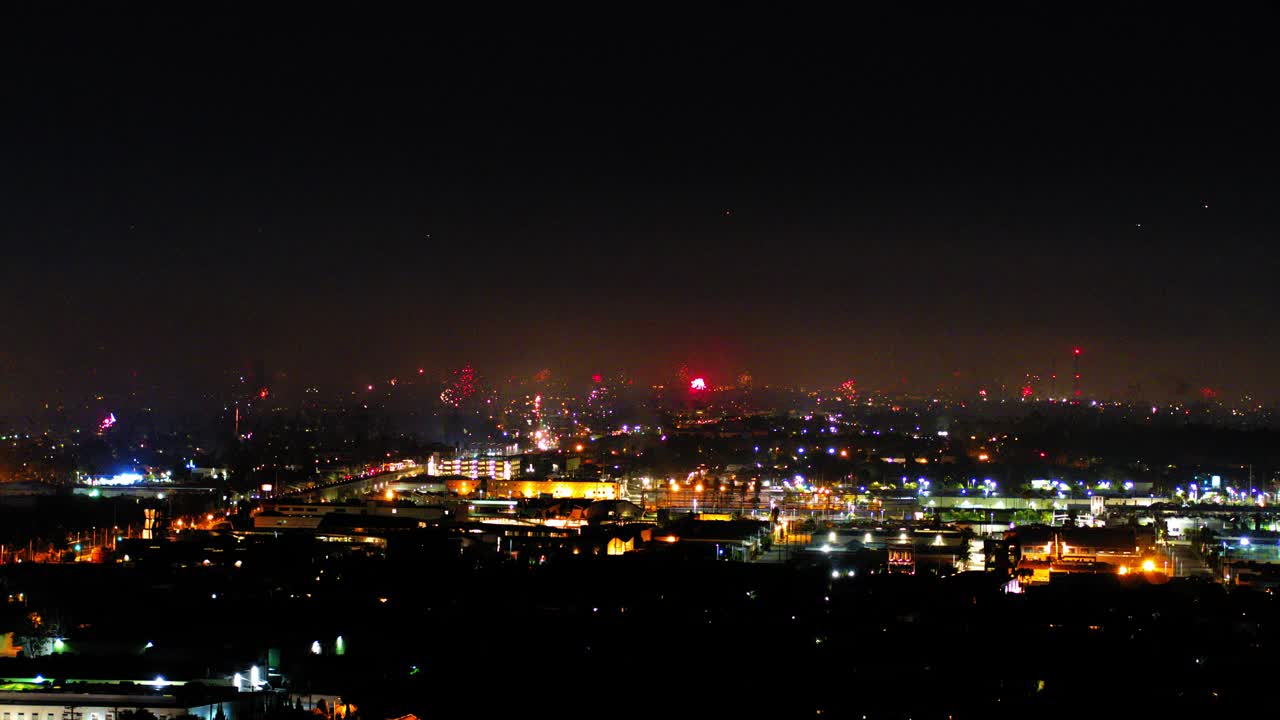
1187	562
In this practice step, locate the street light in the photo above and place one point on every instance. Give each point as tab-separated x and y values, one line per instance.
1226	559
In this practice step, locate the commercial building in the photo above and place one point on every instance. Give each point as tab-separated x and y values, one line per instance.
557	488
1044	551
162	699
554	488
940	551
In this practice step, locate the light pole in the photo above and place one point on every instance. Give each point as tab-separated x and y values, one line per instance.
1226	556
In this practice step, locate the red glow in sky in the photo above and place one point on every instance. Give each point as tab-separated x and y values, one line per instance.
697	384
596	378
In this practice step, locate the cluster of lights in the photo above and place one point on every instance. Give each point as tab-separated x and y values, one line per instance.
119	479
462	387
1212	495
254	680
544	440
1148	566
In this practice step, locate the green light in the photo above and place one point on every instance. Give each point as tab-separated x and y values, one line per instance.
58	645
340	646
77	547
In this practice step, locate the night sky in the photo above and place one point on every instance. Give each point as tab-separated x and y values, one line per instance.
945	199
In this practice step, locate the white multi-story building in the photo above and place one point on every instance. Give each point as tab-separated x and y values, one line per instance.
499	468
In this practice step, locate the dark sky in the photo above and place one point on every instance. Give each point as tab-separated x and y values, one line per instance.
350	196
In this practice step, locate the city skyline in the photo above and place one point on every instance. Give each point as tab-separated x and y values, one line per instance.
1050	379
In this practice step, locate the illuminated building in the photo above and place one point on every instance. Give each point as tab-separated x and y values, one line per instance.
555	488
907	550
1046	551
463	486
474	467
902	559
588	489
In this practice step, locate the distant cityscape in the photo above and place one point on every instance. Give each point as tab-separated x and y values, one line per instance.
267	503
